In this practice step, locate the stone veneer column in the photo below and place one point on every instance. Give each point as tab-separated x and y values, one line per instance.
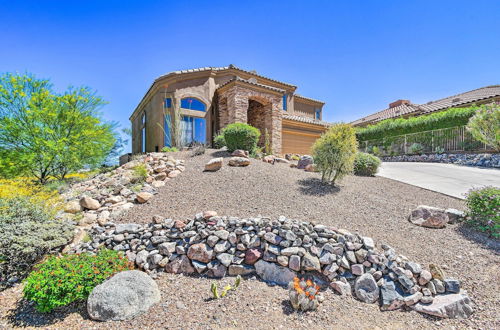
276	125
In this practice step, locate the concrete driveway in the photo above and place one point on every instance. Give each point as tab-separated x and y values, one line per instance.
448	179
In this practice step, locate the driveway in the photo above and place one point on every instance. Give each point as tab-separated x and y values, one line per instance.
448	179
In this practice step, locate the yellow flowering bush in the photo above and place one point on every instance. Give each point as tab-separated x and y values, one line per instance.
26	187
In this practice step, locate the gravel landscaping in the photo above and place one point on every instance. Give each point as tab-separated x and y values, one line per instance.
373	206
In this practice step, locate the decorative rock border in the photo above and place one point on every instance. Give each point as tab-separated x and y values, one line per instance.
481	160
276	250
109	195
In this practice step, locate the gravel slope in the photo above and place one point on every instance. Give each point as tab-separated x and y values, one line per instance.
375	207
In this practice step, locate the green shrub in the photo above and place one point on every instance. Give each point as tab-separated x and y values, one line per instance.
416	149
334	152
484	209
140	172
393	127
376	151
219	141
27	233
59	281
366	164
241	136
485	125
169	149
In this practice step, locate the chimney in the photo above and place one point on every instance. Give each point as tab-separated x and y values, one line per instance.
398	103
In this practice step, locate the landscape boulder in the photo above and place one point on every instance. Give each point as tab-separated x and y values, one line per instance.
72	207
143	197
240	153
271	272
89	203
366	288
214	164
268	159
455	305
428	216
239	161
123	297
311	168
304	161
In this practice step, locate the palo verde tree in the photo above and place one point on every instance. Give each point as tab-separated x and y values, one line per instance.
45	134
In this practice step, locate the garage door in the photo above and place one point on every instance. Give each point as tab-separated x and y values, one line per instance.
297	142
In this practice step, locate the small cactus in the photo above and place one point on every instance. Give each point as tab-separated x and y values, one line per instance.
226	289
303	294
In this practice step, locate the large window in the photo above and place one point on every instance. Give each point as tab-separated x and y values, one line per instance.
168	103
191	103
193	129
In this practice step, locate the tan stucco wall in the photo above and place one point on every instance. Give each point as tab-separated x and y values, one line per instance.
305	109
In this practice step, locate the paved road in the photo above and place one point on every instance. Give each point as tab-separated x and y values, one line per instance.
448	179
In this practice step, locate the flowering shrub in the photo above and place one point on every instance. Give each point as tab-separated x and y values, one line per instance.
37	194
303	294
27	233
60	281
484	209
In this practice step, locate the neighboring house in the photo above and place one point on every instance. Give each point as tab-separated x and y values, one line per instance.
405	109
211	98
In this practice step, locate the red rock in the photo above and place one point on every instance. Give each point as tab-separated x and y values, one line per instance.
252	255
179	224
208	214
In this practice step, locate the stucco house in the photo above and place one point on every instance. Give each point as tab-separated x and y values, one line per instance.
211	98
405	108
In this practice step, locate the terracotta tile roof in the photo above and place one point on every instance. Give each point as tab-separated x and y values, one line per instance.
432	106
250	82
306	120
308	98
230	66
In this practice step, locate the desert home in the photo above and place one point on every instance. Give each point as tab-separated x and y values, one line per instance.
405	108
211	98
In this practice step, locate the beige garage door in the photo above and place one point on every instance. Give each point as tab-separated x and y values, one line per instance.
297	142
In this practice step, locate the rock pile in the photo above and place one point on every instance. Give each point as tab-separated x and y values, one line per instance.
108	195
482	160
275	250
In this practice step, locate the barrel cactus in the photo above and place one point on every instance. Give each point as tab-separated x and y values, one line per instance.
304	294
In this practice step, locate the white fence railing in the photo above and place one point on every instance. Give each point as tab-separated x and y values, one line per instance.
451	139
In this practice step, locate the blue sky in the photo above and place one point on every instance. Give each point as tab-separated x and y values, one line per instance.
357	56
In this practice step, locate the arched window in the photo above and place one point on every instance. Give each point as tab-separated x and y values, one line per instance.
190	103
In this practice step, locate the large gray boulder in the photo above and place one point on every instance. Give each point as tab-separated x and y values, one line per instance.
366	288
428	216
123	296
304	161
455	305
271	272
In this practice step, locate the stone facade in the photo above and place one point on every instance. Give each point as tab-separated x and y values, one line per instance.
262	109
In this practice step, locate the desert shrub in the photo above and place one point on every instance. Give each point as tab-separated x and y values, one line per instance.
219	141
416	149
46	197
334	152
27	233
59	281
366	164
241	136
295	157
169	149
140	172
485	125
484	209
